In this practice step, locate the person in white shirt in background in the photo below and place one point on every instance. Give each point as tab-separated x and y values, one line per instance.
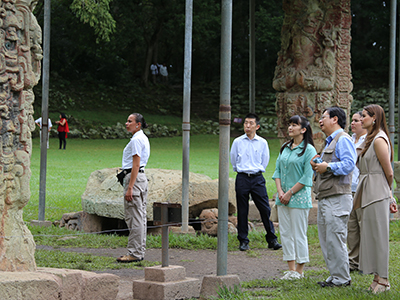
164	73
154	71
38	122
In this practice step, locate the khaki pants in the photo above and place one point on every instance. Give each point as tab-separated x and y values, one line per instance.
135	215
353	238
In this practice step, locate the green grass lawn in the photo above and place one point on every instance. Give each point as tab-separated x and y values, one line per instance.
67	174
69	170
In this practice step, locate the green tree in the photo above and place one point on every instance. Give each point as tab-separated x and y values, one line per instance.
97	14
370	43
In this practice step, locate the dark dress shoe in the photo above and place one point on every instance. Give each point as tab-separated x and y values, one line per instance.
331	284
244	246
274	245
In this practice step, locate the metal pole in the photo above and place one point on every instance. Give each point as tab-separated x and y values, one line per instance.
398	108
224	136
164	235
45	110
252	60
392	69
186	114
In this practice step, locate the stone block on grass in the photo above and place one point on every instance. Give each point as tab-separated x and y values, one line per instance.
29	286
172	290
211	285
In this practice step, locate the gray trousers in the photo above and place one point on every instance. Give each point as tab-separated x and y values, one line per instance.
333	214
135	215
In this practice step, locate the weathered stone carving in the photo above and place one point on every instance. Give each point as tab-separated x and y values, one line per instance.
313	68
20	56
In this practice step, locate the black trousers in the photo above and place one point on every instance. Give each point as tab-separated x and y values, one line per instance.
255	186
61	137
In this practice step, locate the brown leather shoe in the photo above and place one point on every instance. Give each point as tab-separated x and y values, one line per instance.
128	259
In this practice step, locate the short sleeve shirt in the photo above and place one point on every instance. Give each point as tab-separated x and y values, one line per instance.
138	145
292	168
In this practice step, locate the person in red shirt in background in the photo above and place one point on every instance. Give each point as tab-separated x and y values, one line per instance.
62	130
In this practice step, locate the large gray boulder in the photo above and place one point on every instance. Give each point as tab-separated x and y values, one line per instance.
104	195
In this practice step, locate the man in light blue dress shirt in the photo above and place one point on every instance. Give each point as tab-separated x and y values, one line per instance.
249	158
332	187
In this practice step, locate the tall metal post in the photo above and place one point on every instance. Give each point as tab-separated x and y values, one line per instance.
186	114
45	110
252	58
224	136
392	68
398	108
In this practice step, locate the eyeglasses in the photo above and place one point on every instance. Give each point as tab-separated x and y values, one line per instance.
249	123
323	117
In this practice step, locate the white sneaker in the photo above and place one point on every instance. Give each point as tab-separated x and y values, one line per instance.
290	275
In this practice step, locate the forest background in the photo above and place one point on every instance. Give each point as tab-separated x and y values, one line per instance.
101	53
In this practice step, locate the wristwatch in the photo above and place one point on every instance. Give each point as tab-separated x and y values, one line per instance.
328	168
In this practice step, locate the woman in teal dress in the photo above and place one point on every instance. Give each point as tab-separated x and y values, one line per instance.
293	178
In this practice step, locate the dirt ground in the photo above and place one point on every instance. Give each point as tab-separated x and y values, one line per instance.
256	264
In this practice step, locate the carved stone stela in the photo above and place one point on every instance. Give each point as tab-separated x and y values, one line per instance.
313	69
20	56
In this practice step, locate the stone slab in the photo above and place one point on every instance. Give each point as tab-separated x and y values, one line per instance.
184	289
58	284
164	274
71	282
211	284
29	286
41	223
99	286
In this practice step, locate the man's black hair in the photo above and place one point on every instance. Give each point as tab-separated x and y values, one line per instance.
253	116
338	112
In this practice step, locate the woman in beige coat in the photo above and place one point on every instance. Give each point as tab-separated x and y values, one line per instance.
374	196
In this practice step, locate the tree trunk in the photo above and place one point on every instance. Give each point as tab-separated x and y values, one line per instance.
145	76
150	51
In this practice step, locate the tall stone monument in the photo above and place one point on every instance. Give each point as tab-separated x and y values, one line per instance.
313	69
20	56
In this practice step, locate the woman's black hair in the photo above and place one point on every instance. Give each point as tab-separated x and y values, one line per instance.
139	119
307	136
63	115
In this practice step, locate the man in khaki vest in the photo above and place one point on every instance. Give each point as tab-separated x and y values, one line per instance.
332	186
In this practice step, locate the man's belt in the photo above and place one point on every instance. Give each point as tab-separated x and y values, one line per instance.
251	174
127	171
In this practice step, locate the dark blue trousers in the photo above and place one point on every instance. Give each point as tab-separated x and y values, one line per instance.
255	186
